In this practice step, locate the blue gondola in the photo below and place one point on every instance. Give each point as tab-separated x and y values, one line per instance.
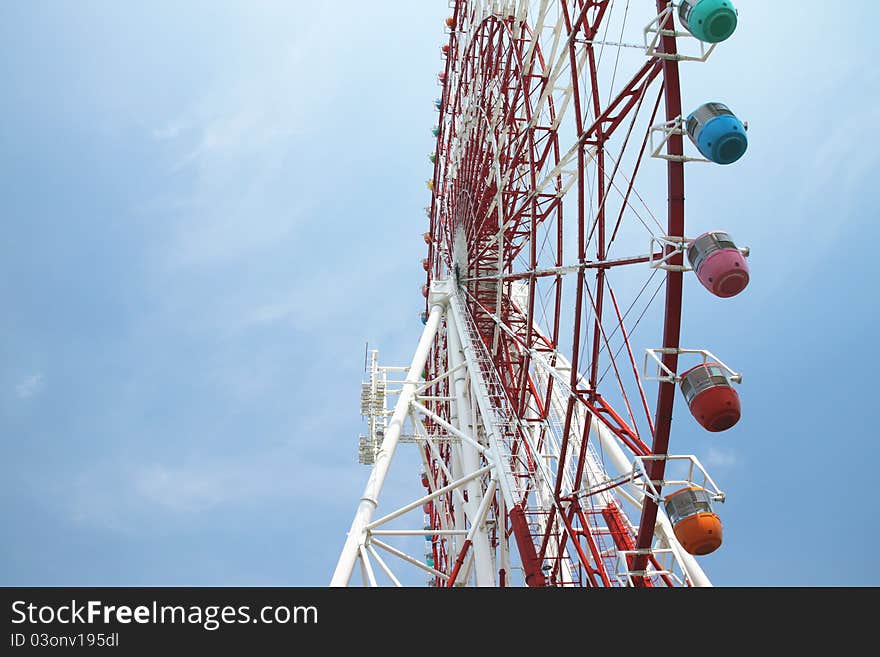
718	134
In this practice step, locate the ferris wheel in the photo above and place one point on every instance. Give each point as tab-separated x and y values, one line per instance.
540	396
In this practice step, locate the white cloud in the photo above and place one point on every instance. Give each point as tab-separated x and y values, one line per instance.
315	300
186	489
169	131
238	142
721	457
129	497
30	386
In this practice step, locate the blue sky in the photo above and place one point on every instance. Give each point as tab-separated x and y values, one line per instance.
208	210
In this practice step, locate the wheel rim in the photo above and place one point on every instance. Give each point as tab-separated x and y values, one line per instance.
536	203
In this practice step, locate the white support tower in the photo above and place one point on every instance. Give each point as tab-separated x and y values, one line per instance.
473	476
482	476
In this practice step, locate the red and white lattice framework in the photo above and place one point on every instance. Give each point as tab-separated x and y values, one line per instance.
544	444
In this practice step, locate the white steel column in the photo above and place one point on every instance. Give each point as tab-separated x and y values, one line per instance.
458	518
370	499
484	566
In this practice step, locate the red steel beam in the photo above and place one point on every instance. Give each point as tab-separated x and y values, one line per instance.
672	324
